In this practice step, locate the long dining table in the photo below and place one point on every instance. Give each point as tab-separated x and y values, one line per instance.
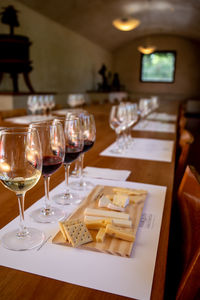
16	284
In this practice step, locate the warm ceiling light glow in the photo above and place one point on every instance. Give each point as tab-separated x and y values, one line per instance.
146	50
126	24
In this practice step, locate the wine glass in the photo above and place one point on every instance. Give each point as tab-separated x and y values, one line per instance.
132	118
89	136
53	147
118	122
73	148
78	112
20	170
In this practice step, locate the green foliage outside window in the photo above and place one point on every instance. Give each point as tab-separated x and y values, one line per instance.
158	67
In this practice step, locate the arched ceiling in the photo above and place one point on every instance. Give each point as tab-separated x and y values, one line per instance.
93	18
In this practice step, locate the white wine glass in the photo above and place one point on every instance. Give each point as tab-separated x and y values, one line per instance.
53	148
20	170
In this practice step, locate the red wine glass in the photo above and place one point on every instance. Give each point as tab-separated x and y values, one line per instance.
89	136
73	148
53	148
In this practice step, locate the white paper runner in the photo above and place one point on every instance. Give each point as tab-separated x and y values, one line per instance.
148	149
130	277
162	117
156	126
29	119
106	173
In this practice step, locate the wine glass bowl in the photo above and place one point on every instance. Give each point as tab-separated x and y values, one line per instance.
53	148
20	170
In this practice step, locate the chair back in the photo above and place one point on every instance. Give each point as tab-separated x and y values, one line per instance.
189	208
185	141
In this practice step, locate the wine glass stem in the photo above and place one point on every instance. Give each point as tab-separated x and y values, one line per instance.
67	167
118	142
22	228
47	199
81	169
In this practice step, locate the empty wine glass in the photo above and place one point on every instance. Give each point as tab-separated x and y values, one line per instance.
73	148
132	118
117	121
20	170
53	147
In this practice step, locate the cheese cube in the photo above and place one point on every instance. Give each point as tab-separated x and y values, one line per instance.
119	233
100	237
121	200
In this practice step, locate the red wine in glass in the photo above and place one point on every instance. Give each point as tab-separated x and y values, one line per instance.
71	156
87	145
50	164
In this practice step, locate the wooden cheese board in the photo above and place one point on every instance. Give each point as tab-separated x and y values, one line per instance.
110	245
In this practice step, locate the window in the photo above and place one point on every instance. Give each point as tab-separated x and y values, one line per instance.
158	66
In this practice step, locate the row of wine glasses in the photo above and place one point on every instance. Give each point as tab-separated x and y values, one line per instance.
28	153
78	142
122	118
40	104
125	115
147	106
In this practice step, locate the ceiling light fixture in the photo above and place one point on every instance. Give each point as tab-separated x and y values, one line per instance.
126	24
146	50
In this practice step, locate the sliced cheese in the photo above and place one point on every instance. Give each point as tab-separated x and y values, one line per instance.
97	223
63	231
116	222
115	207
100	237
121	200
119	233
137	198
105	213
129	191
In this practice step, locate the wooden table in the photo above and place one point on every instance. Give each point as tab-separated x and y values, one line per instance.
16	284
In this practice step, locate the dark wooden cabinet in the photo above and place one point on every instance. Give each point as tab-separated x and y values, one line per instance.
14	58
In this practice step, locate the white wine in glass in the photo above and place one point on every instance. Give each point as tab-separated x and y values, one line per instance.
20	170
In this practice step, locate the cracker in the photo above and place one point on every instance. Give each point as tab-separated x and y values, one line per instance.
77	233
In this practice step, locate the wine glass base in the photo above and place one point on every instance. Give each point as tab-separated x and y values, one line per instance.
116	150
55	214
85	186
33	239
67	199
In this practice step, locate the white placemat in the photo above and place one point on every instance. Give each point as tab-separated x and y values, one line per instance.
147	149
147	125
130	277
60	111
29	119
105	173
162	117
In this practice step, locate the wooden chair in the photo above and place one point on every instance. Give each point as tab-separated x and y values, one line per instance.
12	113
185	141
188	201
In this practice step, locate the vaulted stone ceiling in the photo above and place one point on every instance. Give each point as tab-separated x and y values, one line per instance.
93	18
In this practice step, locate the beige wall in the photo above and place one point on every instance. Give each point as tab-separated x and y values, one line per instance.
63	61
187	77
